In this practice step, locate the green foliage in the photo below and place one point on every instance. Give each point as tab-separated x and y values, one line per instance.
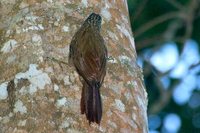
155	22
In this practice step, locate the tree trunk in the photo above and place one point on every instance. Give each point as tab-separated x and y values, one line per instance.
40	92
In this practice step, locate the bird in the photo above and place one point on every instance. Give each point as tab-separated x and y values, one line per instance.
88	54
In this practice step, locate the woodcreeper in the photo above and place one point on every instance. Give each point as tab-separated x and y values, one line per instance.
88	54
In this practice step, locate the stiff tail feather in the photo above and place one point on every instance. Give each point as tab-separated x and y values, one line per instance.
91	103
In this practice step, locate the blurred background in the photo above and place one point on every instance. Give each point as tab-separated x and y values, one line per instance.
167	37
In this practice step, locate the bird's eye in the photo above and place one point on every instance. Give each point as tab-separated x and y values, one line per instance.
98	84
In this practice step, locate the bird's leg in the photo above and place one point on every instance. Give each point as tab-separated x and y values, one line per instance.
56	60
110	58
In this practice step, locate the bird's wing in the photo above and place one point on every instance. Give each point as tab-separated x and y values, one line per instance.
91	63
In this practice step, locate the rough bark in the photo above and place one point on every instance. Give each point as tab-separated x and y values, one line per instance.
41	94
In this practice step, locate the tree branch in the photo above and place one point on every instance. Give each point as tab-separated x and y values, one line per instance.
140	9
176	4
157	21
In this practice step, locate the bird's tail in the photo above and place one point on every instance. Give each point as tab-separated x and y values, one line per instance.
91	102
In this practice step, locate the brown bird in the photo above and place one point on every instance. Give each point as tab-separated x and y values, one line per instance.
88	53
